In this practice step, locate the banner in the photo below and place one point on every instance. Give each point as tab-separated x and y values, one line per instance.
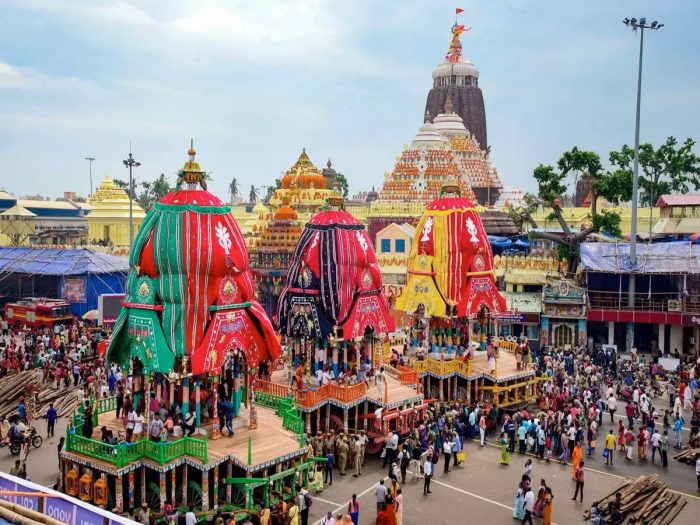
74	289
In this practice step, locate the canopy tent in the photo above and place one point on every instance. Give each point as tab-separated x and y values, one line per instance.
78	276
679	257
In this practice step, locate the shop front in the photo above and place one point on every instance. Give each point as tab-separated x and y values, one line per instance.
563	320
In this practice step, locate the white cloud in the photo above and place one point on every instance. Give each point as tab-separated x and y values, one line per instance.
12	77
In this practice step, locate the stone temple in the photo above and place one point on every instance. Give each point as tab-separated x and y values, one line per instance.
457	79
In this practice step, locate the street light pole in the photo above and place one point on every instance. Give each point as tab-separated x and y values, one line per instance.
131	163
90	160
635	24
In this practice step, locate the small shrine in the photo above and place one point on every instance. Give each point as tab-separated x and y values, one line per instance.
108	220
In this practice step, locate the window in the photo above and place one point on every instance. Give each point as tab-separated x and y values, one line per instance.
533	332
400	246
386	245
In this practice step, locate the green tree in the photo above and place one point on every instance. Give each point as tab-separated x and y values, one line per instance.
671	168
343	187
233	188
125	186
153	191
612	186
254	194
521	214
271	191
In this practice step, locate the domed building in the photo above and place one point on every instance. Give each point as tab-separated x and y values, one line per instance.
417	177
473	162
304	187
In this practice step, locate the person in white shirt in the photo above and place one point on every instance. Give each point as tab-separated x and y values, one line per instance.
655	443
447	450
529	505
138	425
379	380
697	471
190	518
612	407
428	473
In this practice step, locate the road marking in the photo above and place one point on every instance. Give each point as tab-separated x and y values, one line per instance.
327	501
482	498
553	461
341	507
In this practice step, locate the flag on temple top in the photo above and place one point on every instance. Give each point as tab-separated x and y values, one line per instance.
459	10
459	30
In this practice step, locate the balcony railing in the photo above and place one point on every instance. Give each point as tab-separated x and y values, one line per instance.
308	397
122	454
644	302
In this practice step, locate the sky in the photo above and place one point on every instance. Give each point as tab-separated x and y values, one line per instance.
255	81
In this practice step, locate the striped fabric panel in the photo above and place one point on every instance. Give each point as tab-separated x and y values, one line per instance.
283	305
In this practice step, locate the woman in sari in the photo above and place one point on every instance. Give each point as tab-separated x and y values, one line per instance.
518	505
505	452
547	509
539	502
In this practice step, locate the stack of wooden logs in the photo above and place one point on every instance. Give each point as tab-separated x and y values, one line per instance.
645	500
13	387
688	455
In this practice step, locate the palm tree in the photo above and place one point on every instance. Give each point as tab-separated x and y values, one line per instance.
233	187
254	194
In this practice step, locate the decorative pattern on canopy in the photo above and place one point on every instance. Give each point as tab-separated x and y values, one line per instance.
334	277
451	263
193	254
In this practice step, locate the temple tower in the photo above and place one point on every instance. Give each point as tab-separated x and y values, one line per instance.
457	78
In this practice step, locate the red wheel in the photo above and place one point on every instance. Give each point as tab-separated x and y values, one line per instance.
376	441
335	424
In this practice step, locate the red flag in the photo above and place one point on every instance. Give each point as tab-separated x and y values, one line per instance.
459	10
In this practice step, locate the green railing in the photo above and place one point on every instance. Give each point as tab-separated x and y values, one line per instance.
268	400
293	422
124	453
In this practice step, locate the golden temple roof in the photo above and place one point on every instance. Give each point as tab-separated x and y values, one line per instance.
303	174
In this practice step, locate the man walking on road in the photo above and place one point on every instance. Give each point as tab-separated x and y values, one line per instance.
579	481
610	448
51	417
665	445
655	442
380	495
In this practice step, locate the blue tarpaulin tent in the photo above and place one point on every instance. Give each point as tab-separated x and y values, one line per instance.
78	276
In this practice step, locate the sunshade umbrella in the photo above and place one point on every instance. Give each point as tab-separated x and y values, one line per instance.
90	315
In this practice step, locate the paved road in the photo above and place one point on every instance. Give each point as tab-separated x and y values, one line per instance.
42	464
484	490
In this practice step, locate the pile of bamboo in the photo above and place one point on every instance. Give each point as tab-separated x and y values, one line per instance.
13	387
688	455
645	500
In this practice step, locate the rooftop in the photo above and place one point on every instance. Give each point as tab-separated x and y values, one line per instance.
692	199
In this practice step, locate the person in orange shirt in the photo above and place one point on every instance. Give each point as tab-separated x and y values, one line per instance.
576	459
